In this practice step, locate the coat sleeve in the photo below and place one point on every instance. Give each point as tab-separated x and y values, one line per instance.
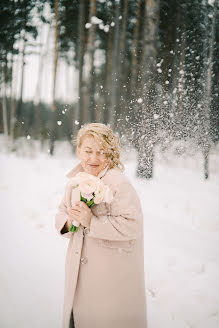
61	218
123	220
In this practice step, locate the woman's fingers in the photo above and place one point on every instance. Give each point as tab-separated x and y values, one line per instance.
75	209
80	212
81	204
74	213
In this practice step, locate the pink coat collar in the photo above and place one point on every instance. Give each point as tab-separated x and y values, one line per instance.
78	168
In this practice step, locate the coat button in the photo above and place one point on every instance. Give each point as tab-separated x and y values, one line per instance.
83	260
86	230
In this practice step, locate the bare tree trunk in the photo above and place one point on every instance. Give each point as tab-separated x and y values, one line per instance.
141	44
148	131
4	107
177	87
90	63
78	115
134	92
13	105
135	50
20	102
182	79
37	96
55	64
206	145
122	75
115	66
108	73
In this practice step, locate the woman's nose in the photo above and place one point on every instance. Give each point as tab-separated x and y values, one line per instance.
93	156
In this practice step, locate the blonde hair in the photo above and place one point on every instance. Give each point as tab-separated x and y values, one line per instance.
109	140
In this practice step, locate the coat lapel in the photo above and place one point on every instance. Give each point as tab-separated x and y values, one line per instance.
74	171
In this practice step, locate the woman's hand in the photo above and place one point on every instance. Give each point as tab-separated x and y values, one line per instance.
81	213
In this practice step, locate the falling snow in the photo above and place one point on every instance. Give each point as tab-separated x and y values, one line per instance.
87	25
96	20
211	2
180	213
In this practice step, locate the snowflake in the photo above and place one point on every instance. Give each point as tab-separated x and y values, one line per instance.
87	25
96	20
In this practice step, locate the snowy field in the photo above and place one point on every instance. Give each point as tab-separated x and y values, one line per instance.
181	229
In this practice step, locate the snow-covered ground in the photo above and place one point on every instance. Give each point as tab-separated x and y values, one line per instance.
181	212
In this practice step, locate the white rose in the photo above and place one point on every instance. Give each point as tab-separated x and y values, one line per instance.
99	193
74	182
88	186
87	196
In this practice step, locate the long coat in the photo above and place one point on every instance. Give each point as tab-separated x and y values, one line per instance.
104	268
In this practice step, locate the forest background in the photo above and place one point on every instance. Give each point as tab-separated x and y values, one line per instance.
148	68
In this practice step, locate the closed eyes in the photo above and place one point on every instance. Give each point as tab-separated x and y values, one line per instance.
89	152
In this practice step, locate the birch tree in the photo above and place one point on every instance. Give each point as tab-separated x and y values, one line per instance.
53	132
122	74
4	107
108	70
148	127
90	62
77	117
208	91
135	91
115	65
43	52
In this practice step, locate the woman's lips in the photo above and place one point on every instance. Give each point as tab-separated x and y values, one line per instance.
93	165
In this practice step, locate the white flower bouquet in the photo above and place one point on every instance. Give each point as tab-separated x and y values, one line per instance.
92	191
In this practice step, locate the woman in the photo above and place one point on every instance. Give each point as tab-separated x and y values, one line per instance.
104	271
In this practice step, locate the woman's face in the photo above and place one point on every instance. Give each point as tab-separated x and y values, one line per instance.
92	155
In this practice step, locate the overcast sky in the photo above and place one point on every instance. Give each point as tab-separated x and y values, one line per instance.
67	77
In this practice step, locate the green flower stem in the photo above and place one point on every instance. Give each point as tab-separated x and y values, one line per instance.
92	205
71	228
89	203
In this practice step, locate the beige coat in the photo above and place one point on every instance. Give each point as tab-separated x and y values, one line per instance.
104	270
